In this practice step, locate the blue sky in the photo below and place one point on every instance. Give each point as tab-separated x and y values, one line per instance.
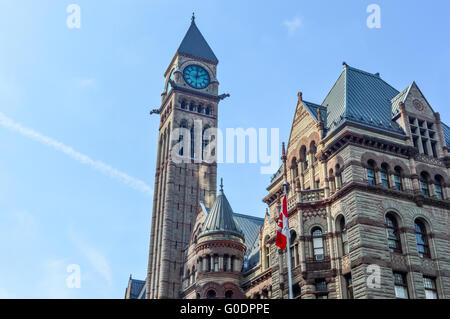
92	88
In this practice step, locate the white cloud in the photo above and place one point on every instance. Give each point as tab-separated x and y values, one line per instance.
84	159
96	259
292	25
85	82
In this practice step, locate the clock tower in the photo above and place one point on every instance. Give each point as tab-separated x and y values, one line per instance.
184	178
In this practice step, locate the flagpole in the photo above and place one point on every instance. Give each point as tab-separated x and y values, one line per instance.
283	158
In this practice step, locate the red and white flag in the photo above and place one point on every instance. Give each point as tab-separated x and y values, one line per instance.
283	227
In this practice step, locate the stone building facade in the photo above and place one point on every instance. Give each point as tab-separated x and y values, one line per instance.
367	175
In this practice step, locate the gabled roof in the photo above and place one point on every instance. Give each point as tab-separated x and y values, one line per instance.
361	97
194	44
221	218
136	287
313	109
401	97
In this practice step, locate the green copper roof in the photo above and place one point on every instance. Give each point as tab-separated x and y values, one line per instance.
194	44
221	218
363	98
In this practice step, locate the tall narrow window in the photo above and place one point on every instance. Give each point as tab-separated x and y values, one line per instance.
338	179
216	263
293	247
205	142
422	239
317	244
304	157
294	167
424	181
371	173
321	289
313	150
398	178
344	237
349	286
384	174
430	288
393	234
401	286
439	181
225	262
229	294
267	252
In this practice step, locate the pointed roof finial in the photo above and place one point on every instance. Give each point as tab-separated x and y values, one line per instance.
221	184
193	17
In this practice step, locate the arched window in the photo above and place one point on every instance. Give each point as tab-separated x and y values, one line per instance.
422	239
304	157
183	104
294	249
393	234
229	294
384	174
424	184
398	178
208	110
294	168
191	106
371	172
232	263
344	235
317	240
211	294
331	178
200	108
438	187
313	150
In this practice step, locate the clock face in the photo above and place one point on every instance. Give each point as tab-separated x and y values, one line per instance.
196	76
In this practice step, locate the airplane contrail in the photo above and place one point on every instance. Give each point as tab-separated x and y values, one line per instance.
84	159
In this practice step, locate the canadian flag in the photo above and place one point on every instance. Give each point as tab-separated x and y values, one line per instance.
283	227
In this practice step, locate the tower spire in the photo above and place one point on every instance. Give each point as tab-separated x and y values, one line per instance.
221	184
193	17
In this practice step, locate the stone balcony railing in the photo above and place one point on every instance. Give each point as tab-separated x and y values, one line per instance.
306	196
